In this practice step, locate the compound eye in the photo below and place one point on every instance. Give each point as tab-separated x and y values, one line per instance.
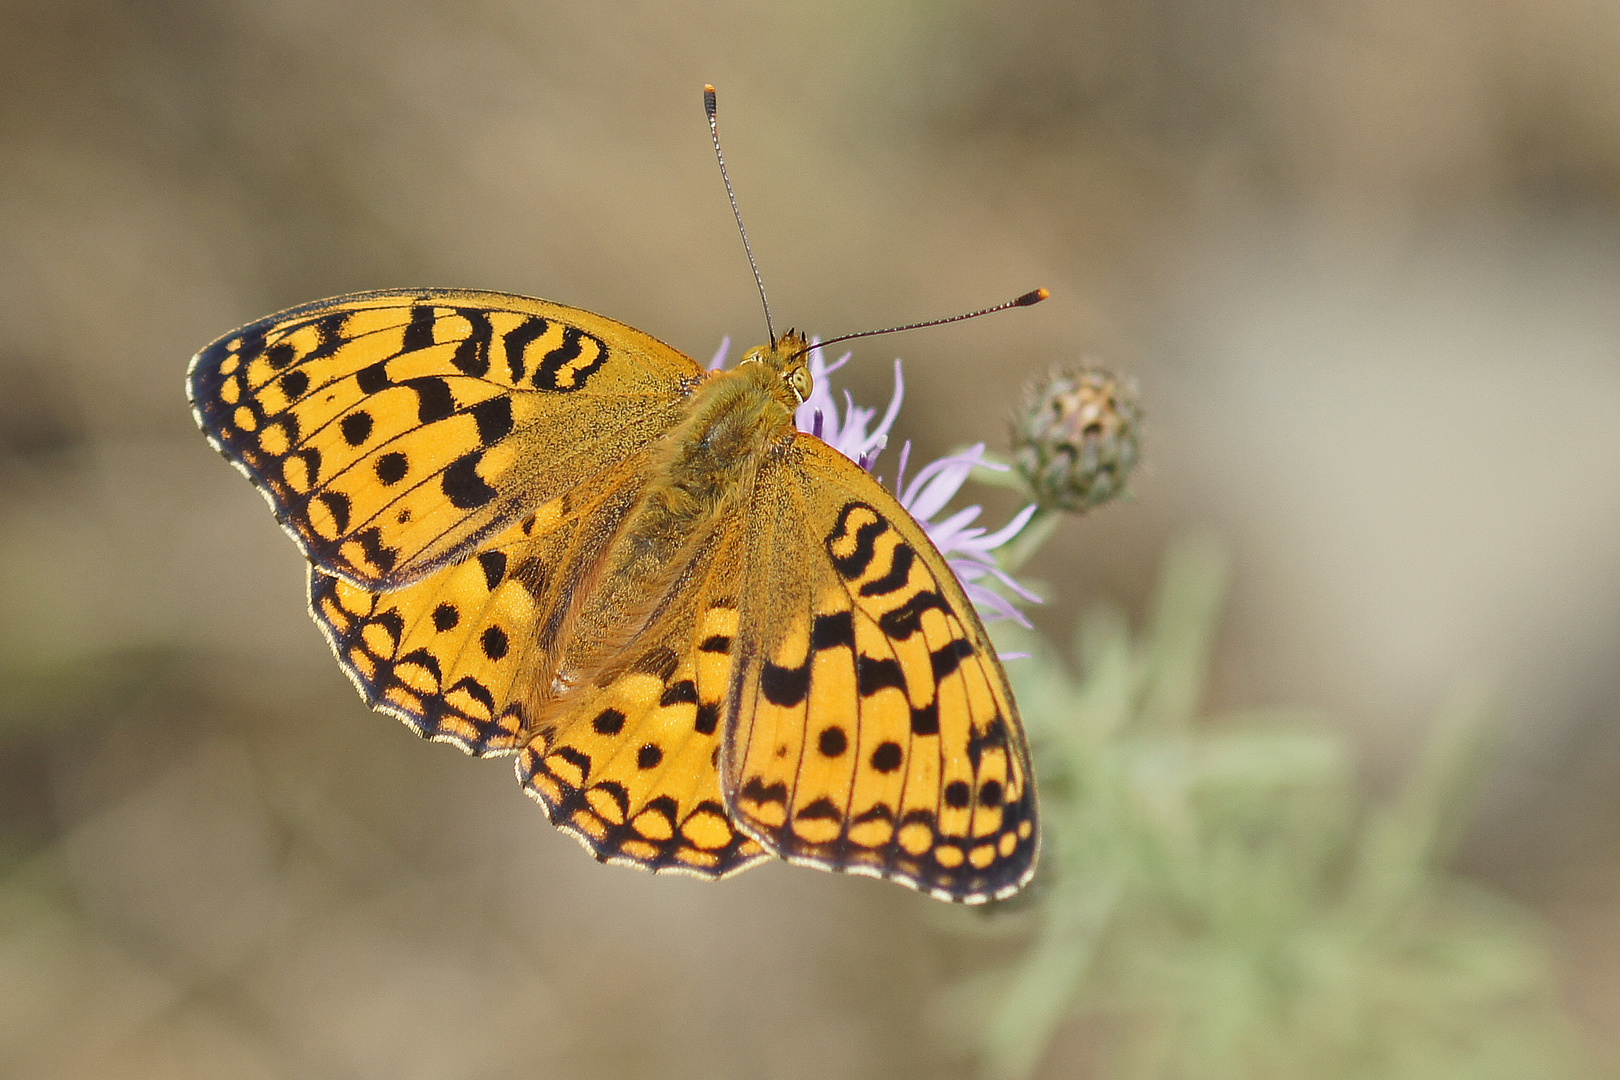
799	380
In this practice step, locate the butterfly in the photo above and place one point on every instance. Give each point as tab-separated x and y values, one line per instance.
707	637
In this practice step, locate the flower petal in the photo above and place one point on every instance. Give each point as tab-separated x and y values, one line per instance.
1009	530
938	482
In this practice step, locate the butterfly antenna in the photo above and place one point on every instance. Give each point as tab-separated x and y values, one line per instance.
714	133
1034	296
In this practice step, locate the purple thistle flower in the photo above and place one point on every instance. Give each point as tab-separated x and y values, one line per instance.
969	548
847	433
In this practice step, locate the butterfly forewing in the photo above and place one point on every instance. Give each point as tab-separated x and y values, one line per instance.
872	729
394	431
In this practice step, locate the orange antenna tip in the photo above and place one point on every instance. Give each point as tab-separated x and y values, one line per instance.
708	100
1029	298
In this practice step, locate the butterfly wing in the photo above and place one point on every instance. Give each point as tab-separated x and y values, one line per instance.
630	763
870	727
393	431
467	653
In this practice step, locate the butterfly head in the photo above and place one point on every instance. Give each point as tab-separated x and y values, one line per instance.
789	357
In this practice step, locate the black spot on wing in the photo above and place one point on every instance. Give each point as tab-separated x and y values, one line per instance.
560	369
832	631
785	686
517	340
493	564
877	673
531	574
822	809
663	806
898	574
277	356
854	564
462	485
329	335
356	427
494	419
757	791
495	642
551	365
906	619
994	736
472	353
948	657
887	757
434	401
374	378
391	468
680	693
328	332
311	458
419	331
289	427
613	790
475	690
376	552
875	812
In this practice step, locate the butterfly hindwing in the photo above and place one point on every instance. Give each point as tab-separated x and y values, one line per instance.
629	764
393	431
872	729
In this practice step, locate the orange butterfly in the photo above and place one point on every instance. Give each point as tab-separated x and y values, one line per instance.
708	637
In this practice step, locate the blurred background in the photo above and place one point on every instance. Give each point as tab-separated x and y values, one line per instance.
1362	257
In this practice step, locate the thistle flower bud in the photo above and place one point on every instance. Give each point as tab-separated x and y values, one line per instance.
1074	439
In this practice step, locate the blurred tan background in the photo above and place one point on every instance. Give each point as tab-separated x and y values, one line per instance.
1362	256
